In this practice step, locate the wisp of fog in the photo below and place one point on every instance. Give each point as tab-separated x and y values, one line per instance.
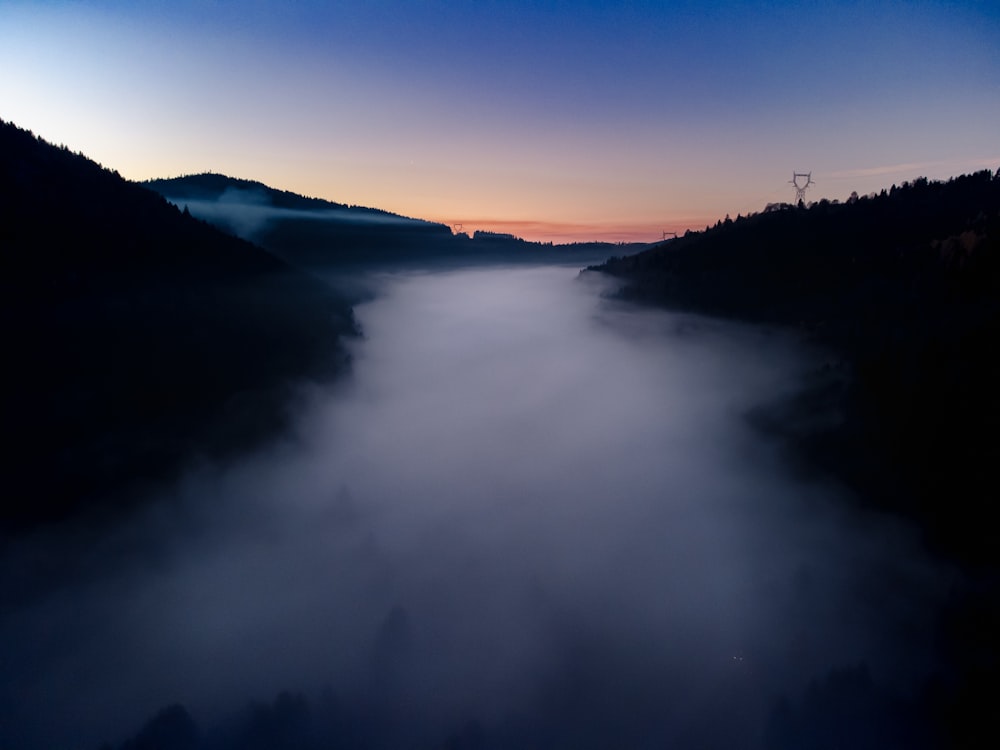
248	211
528	507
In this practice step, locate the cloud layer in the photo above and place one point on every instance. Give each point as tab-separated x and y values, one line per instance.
529	507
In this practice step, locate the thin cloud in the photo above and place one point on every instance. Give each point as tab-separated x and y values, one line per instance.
889	169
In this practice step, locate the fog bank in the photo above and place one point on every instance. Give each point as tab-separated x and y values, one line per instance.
529	507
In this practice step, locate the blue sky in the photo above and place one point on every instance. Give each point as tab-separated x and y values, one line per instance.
556	120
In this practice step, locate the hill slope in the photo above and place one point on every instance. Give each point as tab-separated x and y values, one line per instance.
906	287
309	232
136	336
321	235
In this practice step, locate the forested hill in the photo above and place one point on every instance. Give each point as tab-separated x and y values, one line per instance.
210	186
309	232
804	265
320	236
905	285
135	336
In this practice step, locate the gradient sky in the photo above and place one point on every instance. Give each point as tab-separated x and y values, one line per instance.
554	120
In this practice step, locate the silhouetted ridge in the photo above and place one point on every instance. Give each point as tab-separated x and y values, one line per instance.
906	286
136	336
211	186
320	235
309	232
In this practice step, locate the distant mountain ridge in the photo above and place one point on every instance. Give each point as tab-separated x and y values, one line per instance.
321	235
136	337
212	186
309	232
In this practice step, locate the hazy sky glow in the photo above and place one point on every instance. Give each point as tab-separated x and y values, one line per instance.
554	120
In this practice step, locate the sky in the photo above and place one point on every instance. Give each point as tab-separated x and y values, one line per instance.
555	120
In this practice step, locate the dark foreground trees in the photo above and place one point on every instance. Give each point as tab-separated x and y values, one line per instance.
135	337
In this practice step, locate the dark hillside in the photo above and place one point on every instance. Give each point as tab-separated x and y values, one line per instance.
210	186
905	288
905	285
309	232
323	236
135	336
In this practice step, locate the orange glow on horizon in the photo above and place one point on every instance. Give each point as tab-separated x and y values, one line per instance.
567	232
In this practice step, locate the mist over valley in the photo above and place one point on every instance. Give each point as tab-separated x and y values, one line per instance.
324	237
356	480
528	508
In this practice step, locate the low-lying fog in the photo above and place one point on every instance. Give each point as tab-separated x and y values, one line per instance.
528	507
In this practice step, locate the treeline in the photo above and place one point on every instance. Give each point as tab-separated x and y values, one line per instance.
135	336
308	232
905	287
844	706
320	235
212	186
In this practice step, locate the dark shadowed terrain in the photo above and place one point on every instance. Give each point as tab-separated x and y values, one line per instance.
532	518
327	237
135	336
531	513
904	287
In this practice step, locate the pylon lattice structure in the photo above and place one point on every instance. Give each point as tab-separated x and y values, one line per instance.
800	190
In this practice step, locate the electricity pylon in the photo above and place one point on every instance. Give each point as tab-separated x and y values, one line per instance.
800	190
